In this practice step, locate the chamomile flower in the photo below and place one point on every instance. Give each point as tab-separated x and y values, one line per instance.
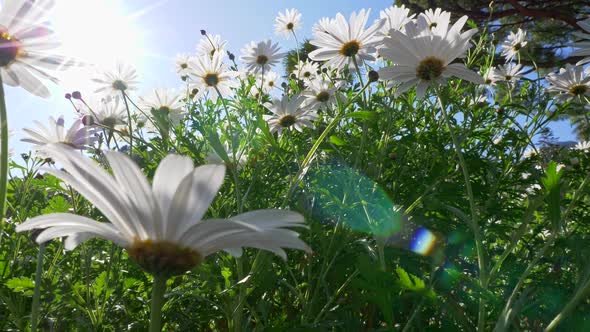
182	64
108	112
164	106
571	82
289	112
583	146
269	82
122	79
286	23
306	71
76	137
320	93
422	57
395	18
211	45
160	225
345	42
491	76
210	76
323	25
437	20
583	45
261	56
26	41
510	72
513	43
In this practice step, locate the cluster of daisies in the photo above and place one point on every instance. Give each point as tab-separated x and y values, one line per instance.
400	49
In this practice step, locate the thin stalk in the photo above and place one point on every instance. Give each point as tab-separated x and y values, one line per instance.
235	161
297	46
129	121
570	306
36	307
474	222
158	291
364	98
311	154
3	157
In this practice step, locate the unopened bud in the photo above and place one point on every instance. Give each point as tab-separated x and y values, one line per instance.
88	120
76	95
68	96
203	32
373	76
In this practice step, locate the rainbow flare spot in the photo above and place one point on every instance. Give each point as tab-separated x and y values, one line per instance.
423	242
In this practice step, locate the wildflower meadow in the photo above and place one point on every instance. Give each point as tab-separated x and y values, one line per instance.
395	170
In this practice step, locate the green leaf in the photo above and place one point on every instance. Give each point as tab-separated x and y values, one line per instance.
337	140
552	186
23	285
363	115
58	204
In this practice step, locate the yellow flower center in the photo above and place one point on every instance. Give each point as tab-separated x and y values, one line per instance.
10	48
262	60
211	79
163	258
322	97
290	26
351	48
287	121
577	90
184	66
119	85
429	69
517	46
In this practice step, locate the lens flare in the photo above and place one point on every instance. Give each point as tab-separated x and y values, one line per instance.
423	242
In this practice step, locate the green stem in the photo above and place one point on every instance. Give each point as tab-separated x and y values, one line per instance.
130	121
570	306
37	291
158	291
3	157
310	155
474	222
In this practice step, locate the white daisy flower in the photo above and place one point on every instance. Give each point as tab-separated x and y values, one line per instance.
261	56
571	82
583	45
108	112
214	158
323	25
26	40
165	106
160	225
395	18
286	23
583	146
422	57
513	43
491	76
269	82
76	137
209	74
289	113
320	93
344	42
182	65
306	71
437	21
122	79
510	72
211	45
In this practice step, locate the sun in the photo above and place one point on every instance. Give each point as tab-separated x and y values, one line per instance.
98	33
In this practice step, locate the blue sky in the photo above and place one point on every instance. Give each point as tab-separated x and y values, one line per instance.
149	33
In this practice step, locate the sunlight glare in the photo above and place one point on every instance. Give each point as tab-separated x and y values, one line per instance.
98	33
